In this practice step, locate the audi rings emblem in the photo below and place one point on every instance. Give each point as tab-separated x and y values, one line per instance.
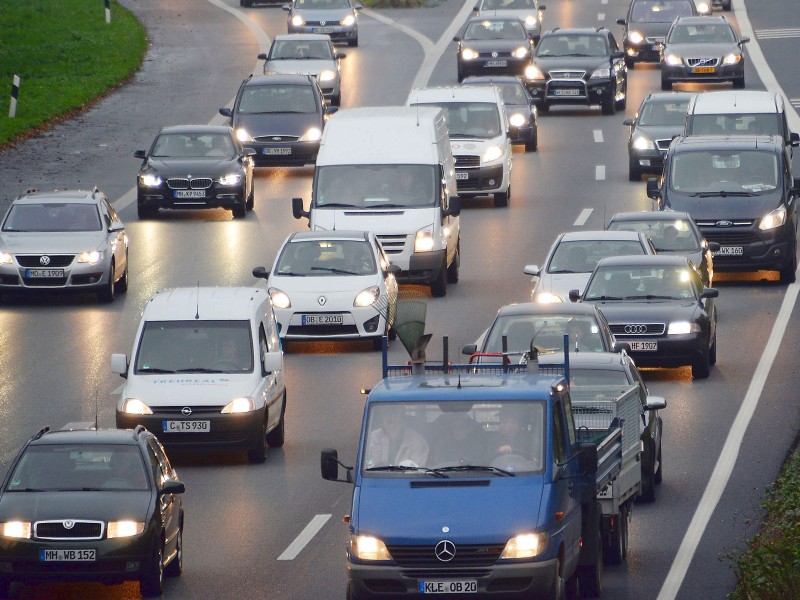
186	411
68	524
44	260
633	329
445	551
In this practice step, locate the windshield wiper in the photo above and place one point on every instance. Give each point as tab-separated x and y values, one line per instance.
462	135
334	270
199	370
153	370
604	298
567	271
336	205
722	193
28	489
650	297
495	470
291	274
402	469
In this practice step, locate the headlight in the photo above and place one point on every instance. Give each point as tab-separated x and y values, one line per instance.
348	20
366	547
518	119
121	529
643	143
732	58
526	545
367	297
423	242
243	136
673	60
468	54
239	405
92	257
774	219
16	529
603	73
298	21
150	180
703	8
6	258
327	75
521	52
492	153
279	298
532	73
634	37
546	298
313	134
682	328
134	406
230	179
531	21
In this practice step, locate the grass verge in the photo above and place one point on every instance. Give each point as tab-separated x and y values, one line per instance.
66	57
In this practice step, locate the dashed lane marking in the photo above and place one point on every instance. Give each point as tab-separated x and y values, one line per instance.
600	172
302	540
598	136
583	217
776	34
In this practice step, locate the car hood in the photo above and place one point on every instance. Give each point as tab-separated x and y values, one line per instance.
653	311
291	124
299	67
497	45
381	222
53	243
659	132
189	389
323	286
700	50
696	256
331	16
572	63
195	167
98	506
725	208
651	30
561	283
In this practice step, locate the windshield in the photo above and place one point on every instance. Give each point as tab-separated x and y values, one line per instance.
663	113
470	119
572	45
582	256
701	34
376	186
657	11
52	217
495	30
545	332
422	439
665	235
751	124
300	49
277	99
643	283
77	467
195	347
325	258
508	4
190	145
740	172
321	4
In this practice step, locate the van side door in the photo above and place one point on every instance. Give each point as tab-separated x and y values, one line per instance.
272	382
566	485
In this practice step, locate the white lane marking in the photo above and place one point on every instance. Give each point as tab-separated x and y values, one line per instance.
601	16
600	172
301	541
774	34
730	451
603	1
583	217
598	136
795	102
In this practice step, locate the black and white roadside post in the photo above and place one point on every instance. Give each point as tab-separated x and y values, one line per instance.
12	109
108	11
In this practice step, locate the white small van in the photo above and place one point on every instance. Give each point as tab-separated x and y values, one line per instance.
206	371
389	170
479	137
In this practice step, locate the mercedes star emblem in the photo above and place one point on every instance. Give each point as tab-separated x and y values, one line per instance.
445	551
186	411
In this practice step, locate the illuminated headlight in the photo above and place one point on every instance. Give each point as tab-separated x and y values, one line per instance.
279	298
531	21
367	297
327	75
121	529
673	60
150	180
521	52
703	8
526	545
348	20
230	179
634	37
682	328
6	258
243	136
517	119
532	73
298	21
774	219
134	406
311	135
546	298
423	242
492	153
603	73
366	547
239	405
92	257
16	529
468	54
732	58
643	143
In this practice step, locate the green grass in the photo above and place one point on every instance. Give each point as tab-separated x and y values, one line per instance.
65	55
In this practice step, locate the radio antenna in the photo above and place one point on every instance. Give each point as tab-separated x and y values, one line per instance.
96	394
197	302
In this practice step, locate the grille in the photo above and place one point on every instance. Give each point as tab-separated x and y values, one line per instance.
181	183
45	281
639	329
702	62
392	244
465	185
731	238
567	74
175	411
654	40
499	54
33	260
80	530
266	139
463	160
663	144
467	555
320	330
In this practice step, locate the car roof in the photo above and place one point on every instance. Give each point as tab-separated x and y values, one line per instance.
610	361
700	20
575	31
319	37
650	215
767	143
539	308
454	94
87	436
60	197
737	102
196	129
600	235
280	79
489	79
483	18
667	96
337	234
204	303
643	260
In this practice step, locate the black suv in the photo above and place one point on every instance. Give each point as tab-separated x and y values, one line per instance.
579	66
91	505
741	193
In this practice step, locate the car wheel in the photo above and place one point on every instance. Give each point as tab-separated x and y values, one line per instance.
622	104
175	566
501	198
337	99
660	471
439	285
590	578
558	590
353	43
145	212
251	198
239	211
122	284
258	454
108	292
152	582
634	172
608	105
738	84
712	352
277	436
617	547
543	107
788	274
452	270
666	84
648	490
701	368
630	63
533	143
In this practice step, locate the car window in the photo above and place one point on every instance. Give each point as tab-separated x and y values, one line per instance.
572	45
257	99
632	282
545	332
53	217
300	49
725	171
585	376
376	186
508	4
676	235
495	30
701	34
189	145
582	256
163	462
660	113
737	124
470	119
513	93
321	4
658	11
326	258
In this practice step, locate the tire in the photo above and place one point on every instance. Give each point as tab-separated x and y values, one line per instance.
258	455
353	43
501	198
277	437
532	145
543	107
701	367
122	284
788	274
107	293
240	211
634	173
617	548
572	590
145	212
738	84
630	63
151	584
608	105
336	100
666	84
648	490
712	352
452	270
175	567
622	104
439	285
590	579
558	590
251	198
660	472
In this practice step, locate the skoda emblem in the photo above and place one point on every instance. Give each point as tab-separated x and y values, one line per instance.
322	300
186	411
45	260
445	551
494	54
322	23
723	224
635	328
69	524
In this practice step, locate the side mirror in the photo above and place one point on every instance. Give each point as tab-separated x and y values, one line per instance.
119	365
457	38
713	246
621	22
286	7
652	188
628	122
393	269
542	7
655	403
340	55
297	209
260	273
622	346
225	112
453	207
172	487
710	293
250	152
794	139
587	458
469	349
140	154
329	466
262	56
617	54
574	295
744	40
116	226
329	110
532	270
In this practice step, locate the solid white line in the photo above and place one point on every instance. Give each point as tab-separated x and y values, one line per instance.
730	451
583	217
600	172
301	541
598	136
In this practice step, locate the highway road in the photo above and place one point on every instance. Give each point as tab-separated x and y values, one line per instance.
275	530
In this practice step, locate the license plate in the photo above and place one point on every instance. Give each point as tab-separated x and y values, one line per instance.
566	92
321	319
448	586
496	63
461	175
34	273
643	346
729	251
190	193
85	555
322	29
186	426
276	151
703	69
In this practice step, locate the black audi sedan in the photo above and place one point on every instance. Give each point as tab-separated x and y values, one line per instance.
195	166
523	119
91	505
659	307
646	26
579	66
493	46
280	117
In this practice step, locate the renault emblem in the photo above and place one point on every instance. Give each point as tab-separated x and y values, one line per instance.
186	411
44	260
445	551
322	300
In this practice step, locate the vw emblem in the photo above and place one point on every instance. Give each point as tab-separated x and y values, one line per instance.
717	224
635	329
445	551
45	260
69	524
322	23
322	300
186	411
494	54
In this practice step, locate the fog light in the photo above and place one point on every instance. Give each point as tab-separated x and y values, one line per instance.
645	162
372	325
492	182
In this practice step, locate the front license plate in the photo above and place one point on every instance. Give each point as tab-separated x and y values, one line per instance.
461	175
34	273
322	29
703	69
186	426
496	63
276	151
190	193
85	555
729	251
454	586
322	319
643	346
566	92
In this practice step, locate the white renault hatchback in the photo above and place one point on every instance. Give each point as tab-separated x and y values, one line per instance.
332	285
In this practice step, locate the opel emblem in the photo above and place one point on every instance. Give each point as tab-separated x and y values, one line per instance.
322	23
494	54
69	524
45	260
186	411
322	300
635	329
276	138
445	551
723	224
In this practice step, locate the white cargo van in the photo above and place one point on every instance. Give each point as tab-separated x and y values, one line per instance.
390	171
479	137
206	371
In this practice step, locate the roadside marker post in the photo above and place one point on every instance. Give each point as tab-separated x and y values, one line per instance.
108	11
12	109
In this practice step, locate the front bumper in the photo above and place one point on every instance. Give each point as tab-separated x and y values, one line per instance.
63	272
283	153
673	350
750	249
570	91
337	33
356	323
684	73
488	65
214	197
480	180
644	52
647	161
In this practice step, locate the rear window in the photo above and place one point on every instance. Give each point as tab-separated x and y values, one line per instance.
742	124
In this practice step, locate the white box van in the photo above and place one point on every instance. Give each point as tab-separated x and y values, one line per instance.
206	370
479	137
390	171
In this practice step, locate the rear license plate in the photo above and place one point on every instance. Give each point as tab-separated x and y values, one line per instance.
643	346
34	273
567	92
186	426
276	151
496	63
85	555
321	319
454	586
322	29
703	69
729	251
461	175
190	193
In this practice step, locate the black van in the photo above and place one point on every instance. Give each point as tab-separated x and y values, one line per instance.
741	193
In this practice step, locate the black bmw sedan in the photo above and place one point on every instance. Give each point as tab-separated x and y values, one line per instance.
659	307
91	505
195	166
